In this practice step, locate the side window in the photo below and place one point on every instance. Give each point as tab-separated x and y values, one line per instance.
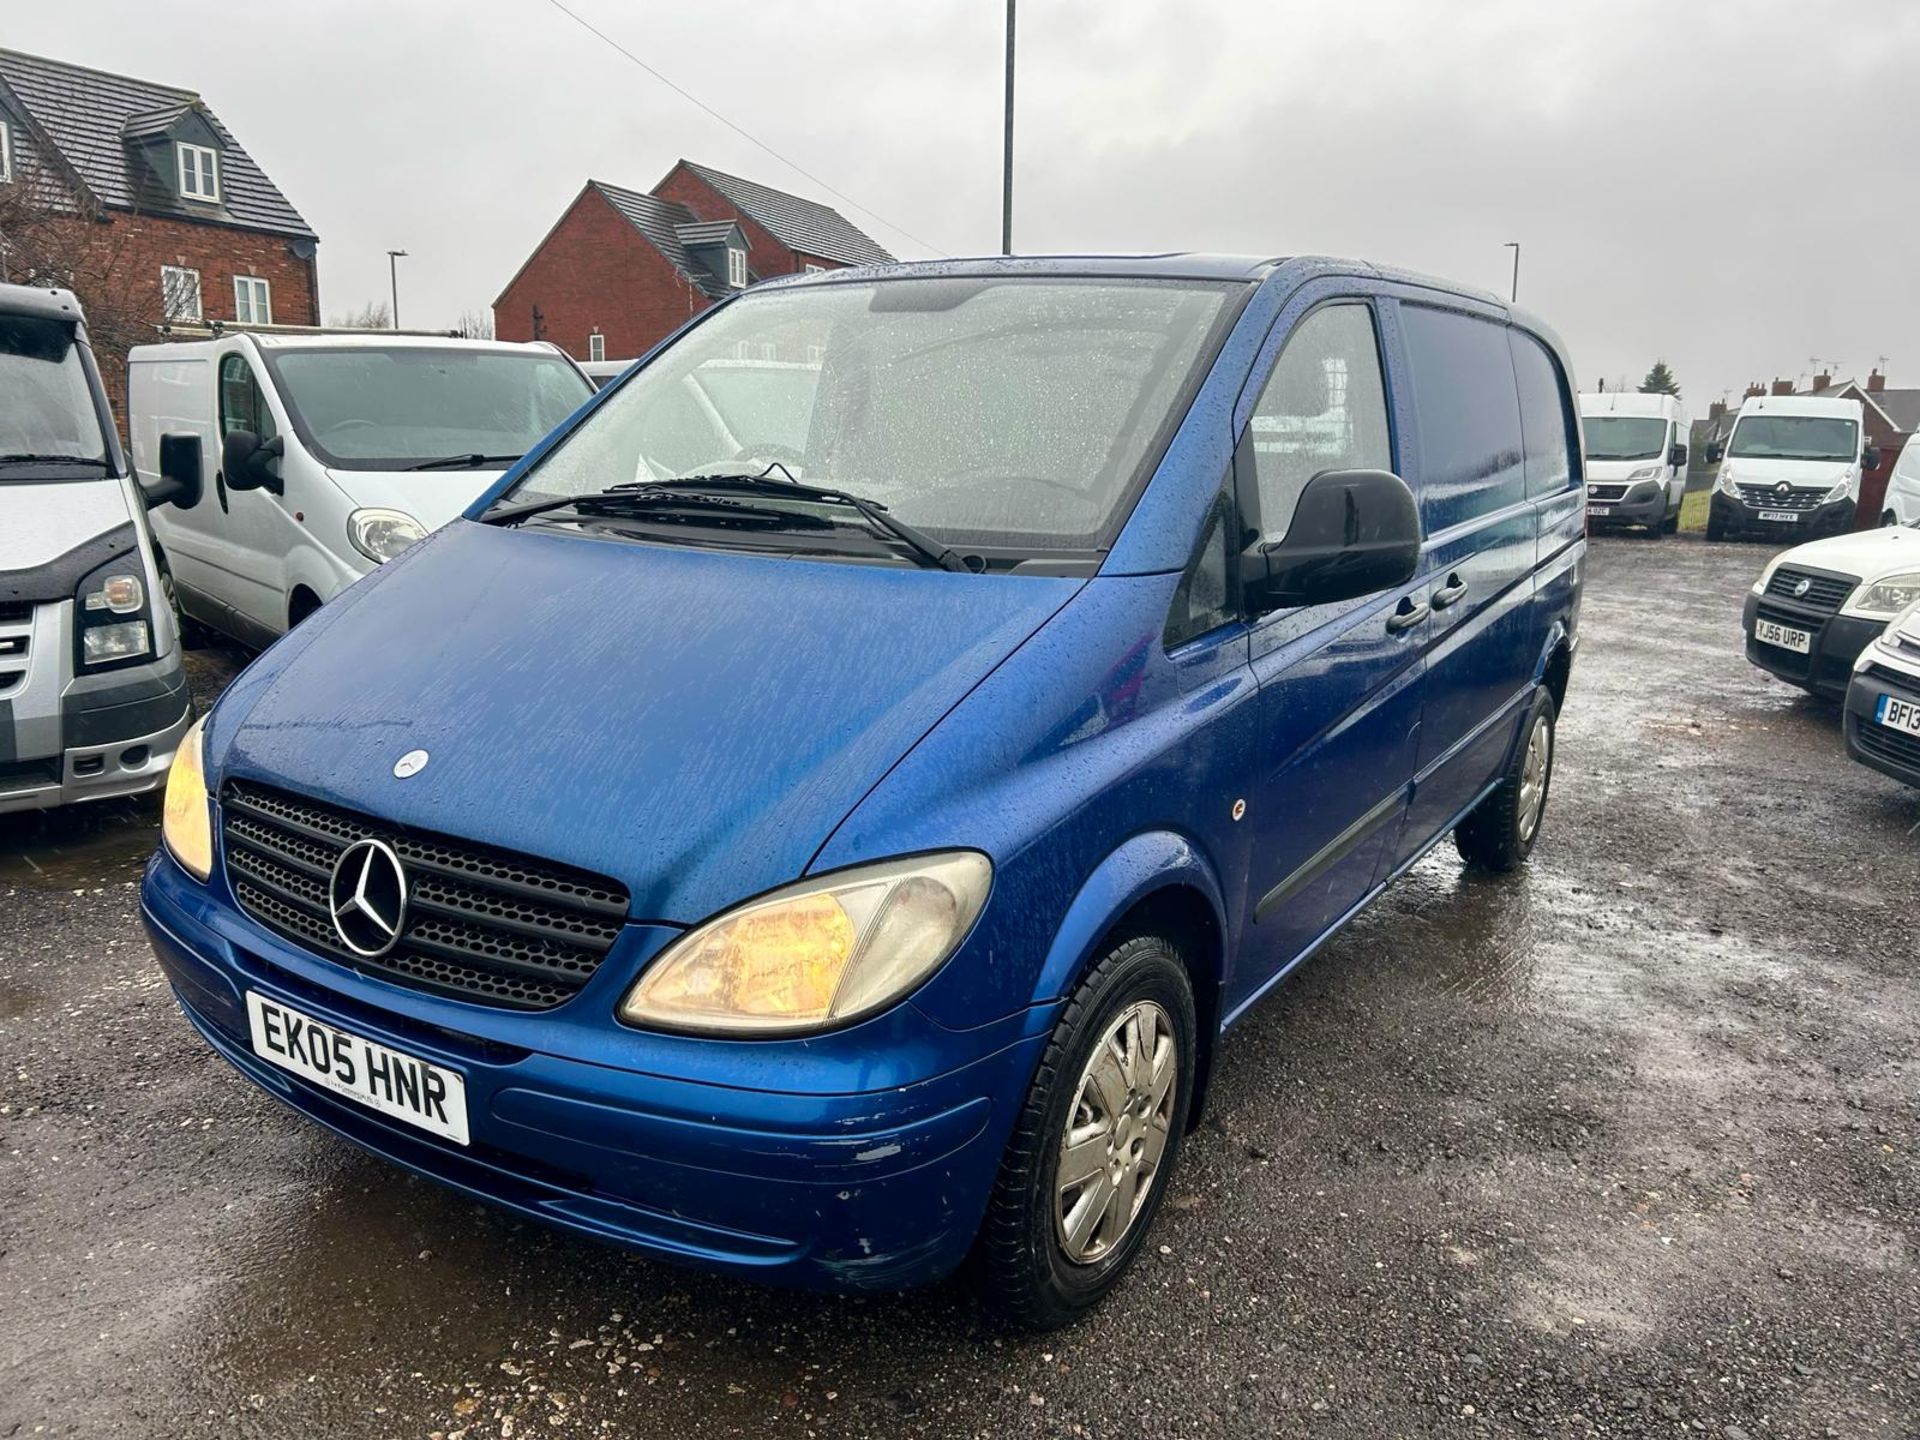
1471	457
1324	408
1204	602
1545	417
242	406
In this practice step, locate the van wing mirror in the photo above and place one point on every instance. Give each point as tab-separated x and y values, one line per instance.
1870	458
1715	454
245	460
180	474
1354	532
1677	455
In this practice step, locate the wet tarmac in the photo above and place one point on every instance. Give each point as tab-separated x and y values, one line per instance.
1621	1145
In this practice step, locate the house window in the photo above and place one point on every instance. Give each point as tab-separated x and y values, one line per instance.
813	269
6	151
179	292
736	267
199	172
252	301
596	346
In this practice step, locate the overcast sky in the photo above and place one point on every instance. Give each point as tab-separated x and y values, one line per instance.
1731	186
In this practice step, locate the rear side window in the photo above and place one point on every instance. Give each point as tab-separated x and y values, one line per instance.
1324	408
1546	419
1471	455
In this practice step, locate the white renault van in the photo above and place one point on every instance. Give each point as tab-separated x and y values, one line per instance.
300	461
93	700
1636	459
1790	470
1902	503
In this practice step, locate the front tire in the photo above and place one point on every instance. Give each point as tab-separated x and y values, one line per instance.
1095	1143
1716	528
1499	833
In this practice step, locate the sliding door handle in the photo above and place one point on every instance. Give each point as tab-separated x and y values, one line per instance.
1449	592
1407	616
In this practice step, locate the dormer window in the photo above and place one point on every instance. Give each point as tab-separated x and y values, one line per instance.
736	267
199	172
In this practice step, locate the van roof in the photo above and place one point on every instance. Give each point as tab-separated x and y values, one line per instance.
362	340
1630	402
1803	405
41	302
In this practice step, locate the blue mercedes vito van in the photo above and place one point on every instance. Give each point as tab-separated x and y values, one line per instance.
819	816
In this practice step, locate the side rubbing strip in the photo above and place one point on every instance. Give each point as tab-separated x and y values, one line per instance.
1330	854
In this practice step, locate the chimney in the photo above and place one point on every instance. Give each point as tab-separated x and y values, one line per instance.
1783	387
1821	382
1754	389
1876	382
1717	409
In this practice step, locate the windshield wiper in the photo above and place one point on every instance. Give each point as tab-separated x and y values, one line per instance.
461	462
24	457
926	549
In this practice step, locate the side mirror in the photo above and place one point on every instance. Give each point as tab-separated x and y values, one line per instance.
1715	454
245	461
1677	455
1870	458
180	474
1354	532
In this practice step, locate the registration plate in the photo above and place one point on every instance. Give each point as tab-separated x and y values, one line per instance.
403	1086
1898	714
1787	515
1784	636
1599	509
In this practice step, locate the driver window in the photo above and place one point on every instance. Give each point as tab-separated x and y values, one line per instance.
242	405
1324	408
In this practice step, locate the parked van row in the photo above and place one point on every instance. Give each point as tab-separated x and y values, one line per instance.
1790	470
830	845
93	700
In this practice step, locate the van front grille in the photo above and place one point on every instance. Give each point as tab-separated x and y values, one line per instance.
1768	497
1824	592
1894	679
481	924
1877	739
1606	492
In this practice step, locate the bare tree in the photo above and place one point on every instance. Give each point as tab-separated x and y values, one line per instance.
476	324
374	315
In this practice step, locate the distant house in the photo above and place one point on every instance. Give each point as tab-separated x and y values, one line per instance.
138	196
622	268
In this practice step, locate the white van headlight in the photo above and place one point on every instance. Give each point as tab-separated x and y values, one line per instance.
1886	597
1725	482
382	534
1645	472
815	955
1841	490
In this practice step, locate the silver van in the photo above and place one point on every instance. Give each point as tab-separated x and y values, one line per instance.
93	700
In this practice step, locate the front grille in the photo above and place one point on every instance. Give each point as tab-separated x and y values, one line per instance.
1606	492
15	612
1825	593
29	774
14	643
482	924
1768	497
1877	739
1894	679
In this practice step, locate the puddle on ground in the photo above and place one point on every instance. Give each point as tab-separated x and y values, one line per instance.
105	842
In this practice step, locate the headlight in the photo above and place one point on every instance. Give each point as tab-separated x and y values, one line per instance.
815	955
1725	480
1840	491
186	827
104	644
382	534
1888	596
120	594
1645	472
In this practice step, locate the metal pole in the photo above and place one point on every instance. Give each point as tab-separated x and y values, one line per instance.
1514	246
1006	192
393	280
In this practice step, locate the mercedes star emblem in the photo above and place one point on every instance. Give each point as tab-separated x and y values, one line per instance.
368	898
410	764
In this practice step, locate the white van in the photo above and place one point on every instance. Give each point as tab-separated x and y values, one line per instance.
1790	470
1636	459
93	699
306	459
1902	503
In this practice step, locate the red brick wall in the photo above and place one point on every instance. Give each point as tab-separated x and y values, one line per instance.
138	245
1873	483
594	270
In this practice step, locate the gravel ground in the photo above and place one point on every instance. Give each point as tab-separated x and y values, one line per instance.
1620	1145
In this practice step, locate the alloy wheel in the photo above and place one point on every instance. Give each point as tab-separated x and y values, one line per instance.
1116	1133
1533	777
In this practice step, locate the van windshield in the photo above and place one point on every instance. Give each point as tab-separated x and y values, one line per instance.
989	411
1795	437
49	426
1624	437
388	407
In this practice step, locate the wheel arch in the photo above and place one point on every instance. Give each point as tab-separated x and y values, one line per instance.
1155	883
1555	666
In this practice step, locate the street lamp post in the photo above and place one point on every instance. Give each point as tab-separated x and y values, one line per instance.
393	280
1006	164
1514	246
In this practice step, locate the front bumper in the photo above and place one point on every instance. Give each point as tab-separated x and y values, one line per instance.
1738	518
1644	510
1827	667
103	757
1891	752
834	1186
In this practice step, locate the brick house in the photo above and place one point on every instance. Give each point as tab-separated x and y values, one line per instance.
140	198
622	268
